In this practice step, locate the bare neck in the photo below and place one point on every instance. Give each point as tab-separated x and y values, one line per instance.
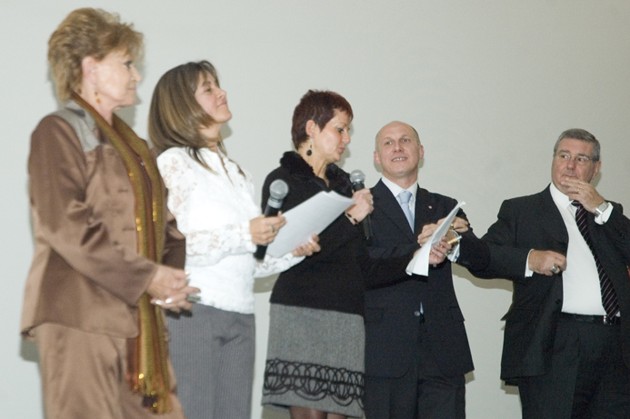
318	165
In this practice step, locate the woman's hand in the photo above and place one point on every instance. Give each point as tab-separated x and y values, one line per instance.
265	229
308	248
169	289
363	205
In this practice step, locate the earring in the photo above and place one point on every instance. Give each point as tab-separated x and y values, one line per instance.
96	98
309	152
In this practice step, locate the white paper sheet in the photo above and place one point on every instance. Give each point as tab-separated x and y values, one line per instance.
419	264
310	217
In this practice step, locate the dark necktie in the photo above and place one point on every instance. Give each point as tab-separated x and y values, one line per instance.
609	297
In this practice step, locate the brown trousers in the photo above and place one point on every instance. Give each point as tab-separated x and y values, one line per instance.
83	376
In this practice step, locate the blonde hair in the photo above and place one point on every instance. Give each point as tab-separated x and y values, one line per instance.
84	33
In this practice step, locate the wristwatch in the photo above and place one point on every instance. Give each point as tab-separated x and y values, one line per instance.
601	208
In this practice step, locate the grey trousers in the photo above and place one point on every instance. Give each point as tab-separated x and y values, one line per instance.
213	352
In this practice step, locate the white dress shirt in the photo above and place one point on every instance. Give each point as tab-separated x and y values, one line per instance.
580	281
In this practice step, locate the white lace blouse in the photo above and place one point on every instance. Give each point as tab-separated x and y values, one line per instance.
213	210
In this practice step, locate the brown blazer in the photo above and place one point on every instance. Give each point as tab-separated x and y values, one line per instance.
86	272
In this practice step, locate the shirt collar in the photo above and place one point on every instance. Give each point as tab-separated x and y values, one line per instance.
395	189
560	199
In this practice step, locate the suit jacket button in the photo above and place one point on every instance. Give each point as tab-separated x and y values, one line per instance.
417	313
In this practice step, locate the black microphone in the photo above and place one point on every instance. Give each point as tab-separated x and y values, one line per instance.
277	191
357	179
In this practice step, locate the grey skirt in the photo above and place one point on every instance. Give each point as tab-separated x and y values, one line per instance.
315	360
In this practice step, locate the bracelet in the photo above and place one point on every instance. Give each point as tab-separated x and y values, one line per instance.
351	218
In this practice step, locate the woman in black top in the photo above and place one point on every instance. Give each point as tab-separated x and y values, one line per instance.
316	339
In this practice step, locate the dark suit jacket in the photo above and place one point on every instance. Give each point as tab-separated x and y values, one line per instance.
534	222
391	326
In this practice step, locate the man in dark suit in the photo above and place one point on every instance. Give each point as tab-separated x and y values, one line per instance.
567	332
416	346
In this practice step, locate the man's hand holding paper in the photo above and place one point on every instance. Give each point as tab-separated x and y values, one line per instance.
436	242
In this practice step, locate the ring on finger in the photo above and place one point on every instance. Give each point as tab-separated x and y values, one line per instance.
555	269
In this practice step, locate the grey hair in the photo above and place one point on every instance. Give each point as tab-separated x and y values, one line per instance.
581	135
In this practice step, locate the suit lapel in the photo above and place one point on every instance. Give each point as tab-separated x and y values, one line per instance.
551	222
384	199
424	209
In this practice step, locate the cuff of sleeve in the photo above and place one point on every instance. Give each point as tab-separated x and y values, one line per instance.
604	216
454	253
528	272
294	260
247	237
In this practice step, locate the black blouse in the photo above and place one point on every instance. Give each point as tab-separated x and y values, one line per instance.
336	277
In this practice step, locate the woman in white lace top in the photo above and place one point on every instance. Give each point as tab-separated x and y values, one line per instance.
212	198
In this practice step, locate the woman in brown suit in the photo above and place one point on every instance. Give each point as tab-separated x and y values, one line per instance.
103	236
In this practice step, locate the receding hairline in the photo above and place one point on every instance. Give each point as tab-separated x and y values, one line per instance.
411	127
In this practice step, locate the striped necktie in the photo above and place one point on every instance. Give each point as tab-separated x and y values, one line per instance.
609	297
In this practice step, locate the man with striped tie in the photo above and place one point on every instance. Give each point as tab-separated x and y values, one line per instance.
567	332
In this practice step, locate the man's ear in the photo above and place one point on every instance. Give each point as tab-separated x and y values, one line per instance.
598	166
421	153
377	159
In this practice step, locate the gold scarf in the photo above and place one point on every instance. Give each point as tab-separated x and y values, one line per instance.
147	369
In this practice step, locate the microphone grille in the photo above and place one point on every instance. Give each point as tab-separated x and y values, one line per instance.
357	176
278	189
